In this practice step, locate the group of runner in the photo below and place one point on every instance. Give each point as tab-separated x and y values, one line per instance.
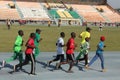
32	51
84	49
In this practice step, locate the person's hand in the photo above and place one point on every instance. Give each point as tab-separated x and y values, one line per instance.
41	39
22	42
75	45
104	45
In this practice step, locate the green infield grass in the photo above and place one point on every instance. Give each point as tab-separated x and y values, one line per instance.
51	34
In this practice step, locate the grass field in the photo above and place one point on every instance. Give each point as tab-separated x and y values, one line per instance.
51	34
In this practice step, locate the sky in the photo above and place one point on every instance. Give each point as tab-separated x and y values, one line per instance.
114	3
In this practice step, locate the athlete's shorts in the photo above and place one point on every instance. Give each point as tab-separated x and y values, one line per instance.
59	57
70	57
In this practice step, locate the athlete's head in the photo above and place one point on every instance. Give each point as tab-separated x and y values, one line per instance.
32	35
20	32
38	31
88	29
62	34
73	34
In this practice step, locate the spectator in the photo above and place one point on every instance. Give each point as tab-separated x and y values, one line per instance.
8	23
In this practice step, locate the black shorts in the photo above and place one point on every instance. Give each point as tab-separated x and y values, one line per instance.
59	57
70	57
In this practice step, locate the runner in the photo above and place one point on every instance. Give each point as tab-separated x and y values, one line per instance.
69	53
60	52
17	49
37	41
99	54
28	55
84	51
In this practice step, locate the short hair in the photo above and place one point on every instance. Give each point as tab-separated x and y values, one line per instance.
20	31
32	35
73	34
88	28
62	34
37	30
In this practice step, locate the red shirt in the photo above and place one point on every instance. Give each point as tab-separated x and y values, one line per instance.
29	50
70	46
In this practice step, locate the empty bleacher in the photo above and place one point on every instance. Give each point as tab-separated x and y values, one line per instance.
88	13
109	13
61	14
6	12
53	13
67	14
74	14
32	11
28	4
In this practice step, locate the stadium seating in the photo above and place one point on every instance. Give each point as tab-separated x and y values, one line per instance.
28	4
7	12
67	14
32	11
61	14
88	13
53	13
111	15
74	14
57	9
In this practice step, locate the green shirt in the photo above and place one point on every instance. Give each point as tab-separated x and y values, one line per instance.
85	47
18	44
37	38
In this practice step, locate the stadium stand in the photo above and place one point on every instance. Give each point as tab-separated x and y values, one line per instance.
7	12
108	13
92	16
67	14
32	11
61	14
68	11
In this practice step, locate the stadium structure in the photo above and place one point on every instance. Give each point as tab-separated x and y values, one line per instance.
74	12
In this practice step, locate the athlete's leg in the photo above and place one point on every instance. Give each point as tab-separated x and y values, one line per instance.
93	60
37	52
102	60
12	58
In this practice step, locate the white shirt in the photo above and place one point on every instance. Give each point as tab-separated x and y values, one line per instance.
59	48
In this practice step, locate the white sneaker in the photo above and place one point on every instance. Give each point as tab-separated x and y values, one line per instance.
3	63
88	61
48	63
